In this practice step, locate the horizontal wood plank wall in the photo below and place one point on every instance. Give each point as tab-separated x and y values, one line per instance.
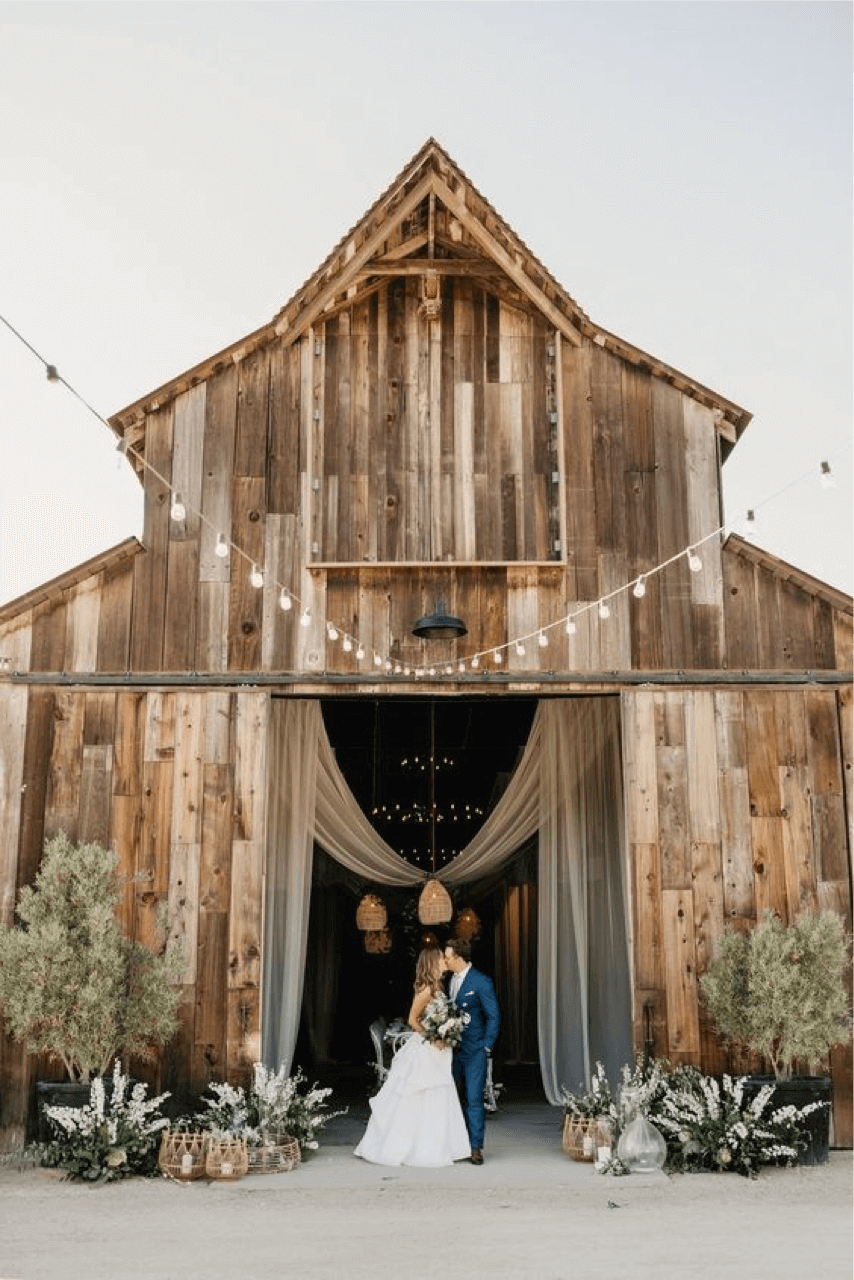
735	804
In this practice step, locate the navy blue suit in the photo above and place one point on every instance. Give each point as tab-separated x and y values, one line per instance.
476	997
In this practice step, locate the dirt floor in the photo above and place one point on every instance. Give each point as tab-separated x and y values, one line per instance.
528	1212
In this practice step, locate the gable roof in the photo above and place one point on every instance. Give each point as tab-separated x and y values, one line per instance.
735	545
480	245
55	588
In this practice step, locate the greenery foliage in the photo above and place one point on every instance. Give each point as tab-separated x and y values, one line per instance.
115	1135
706	1124
274	1103
71	985
780	990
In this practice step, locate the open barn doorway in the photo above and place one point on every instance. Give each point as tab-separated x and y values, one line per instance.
552	917
427	773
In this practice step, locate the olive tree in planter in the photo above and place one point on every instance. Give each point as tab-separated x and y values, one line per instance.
71	985
779	991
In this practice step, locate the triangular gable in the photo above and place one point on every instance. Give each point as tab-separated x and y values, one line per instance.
436	222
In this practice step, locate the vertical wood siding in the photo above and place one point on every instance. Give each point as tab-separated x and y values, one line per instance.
735	804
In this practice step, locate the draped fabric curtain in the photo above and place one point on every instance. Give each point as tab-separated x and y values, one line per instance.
308	799
583	986
568	786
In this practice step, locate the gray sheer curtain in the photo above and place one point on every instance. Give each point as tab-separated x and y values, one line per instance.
583	984
568	786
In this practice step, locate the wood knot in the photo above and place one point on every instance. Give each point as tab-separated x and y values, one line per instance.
247	627
254	516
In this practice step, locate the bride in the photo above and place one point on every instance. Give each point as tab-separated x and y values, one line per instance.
416	1118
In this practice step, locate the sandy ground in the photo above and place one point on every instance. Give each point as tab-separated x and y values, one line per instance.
529	1211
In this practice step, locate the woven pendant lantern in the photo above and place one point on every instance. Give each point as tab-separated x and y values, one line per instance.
377	942
468	924
434	905
371	915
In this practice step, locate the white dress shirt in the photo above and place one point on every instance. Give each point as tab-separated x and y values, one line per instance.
457	982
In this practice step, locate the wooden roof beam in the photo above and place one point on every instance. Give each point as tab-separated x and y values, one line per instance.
457	205
313	310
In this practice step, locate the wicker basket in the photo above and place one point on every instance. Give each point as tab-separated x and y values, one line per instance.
371	914
227	1159
182	1155
278	1153
581	1138
434	905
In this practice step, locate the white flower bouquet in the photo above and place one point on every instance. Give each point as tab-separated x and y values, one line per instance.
443	1023
274	1103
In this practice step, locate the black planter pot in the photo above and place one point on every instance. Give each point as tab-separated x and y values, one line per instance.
800	1091
61	1093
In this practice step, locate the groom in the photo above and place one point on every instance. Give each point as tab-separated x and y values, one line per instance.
474	994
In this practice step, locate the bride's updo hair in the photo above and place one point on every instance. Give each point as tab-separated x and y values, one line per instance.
429	961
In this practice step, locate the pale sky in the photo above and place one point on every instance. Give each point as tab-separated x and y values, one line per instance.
171	173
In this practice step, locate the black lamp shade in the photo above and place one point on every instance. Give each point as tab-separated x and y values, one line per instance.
439	626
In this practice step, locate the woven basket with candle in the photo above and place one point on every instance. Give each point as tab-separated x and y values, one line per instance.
227	1159
583	1137
183	1154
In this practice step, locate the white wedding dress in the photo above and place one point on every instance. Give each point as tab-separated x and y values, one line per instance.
416	1118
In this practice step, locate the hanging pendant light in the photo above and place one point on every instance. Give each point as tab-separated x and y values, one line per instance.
468	923
371	915
377	942
434	905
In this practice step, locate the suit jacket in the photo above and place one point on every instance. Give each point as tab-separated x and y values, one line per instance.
477	998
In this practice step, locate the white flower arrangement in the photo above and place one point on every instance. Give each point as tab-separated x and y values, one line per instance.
442	1022
111	1137
273	1104
590	1103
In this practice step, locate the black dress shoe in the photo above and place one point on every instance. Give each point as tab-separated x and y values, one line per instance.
476	1155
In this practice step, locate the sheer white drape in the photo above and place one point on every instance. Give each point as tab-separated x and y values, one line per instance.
308	799
583	988
568	785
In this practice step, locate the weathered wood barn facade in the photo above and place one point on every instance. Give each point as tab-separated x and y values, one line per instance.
430	418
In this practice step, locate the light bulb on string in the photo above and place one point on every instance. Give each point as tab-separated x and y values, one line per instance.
388	664
178	510
497	657
639	589
221	548
826	476
285	601
332	631
543	640
462	668
604	609
520	649
360	653
378	662
256	577
51	372
695	564
570	627
749	527
305	618
347	644
475	662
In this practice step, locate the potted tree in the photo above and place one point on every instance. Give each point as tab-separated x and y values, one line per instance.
779	991
71	985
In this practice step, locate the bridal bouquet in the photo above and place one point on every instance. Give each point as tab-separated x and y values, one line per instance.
443	1021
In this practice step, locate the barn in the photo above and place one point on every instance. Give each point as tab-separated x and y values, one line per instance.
434	586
